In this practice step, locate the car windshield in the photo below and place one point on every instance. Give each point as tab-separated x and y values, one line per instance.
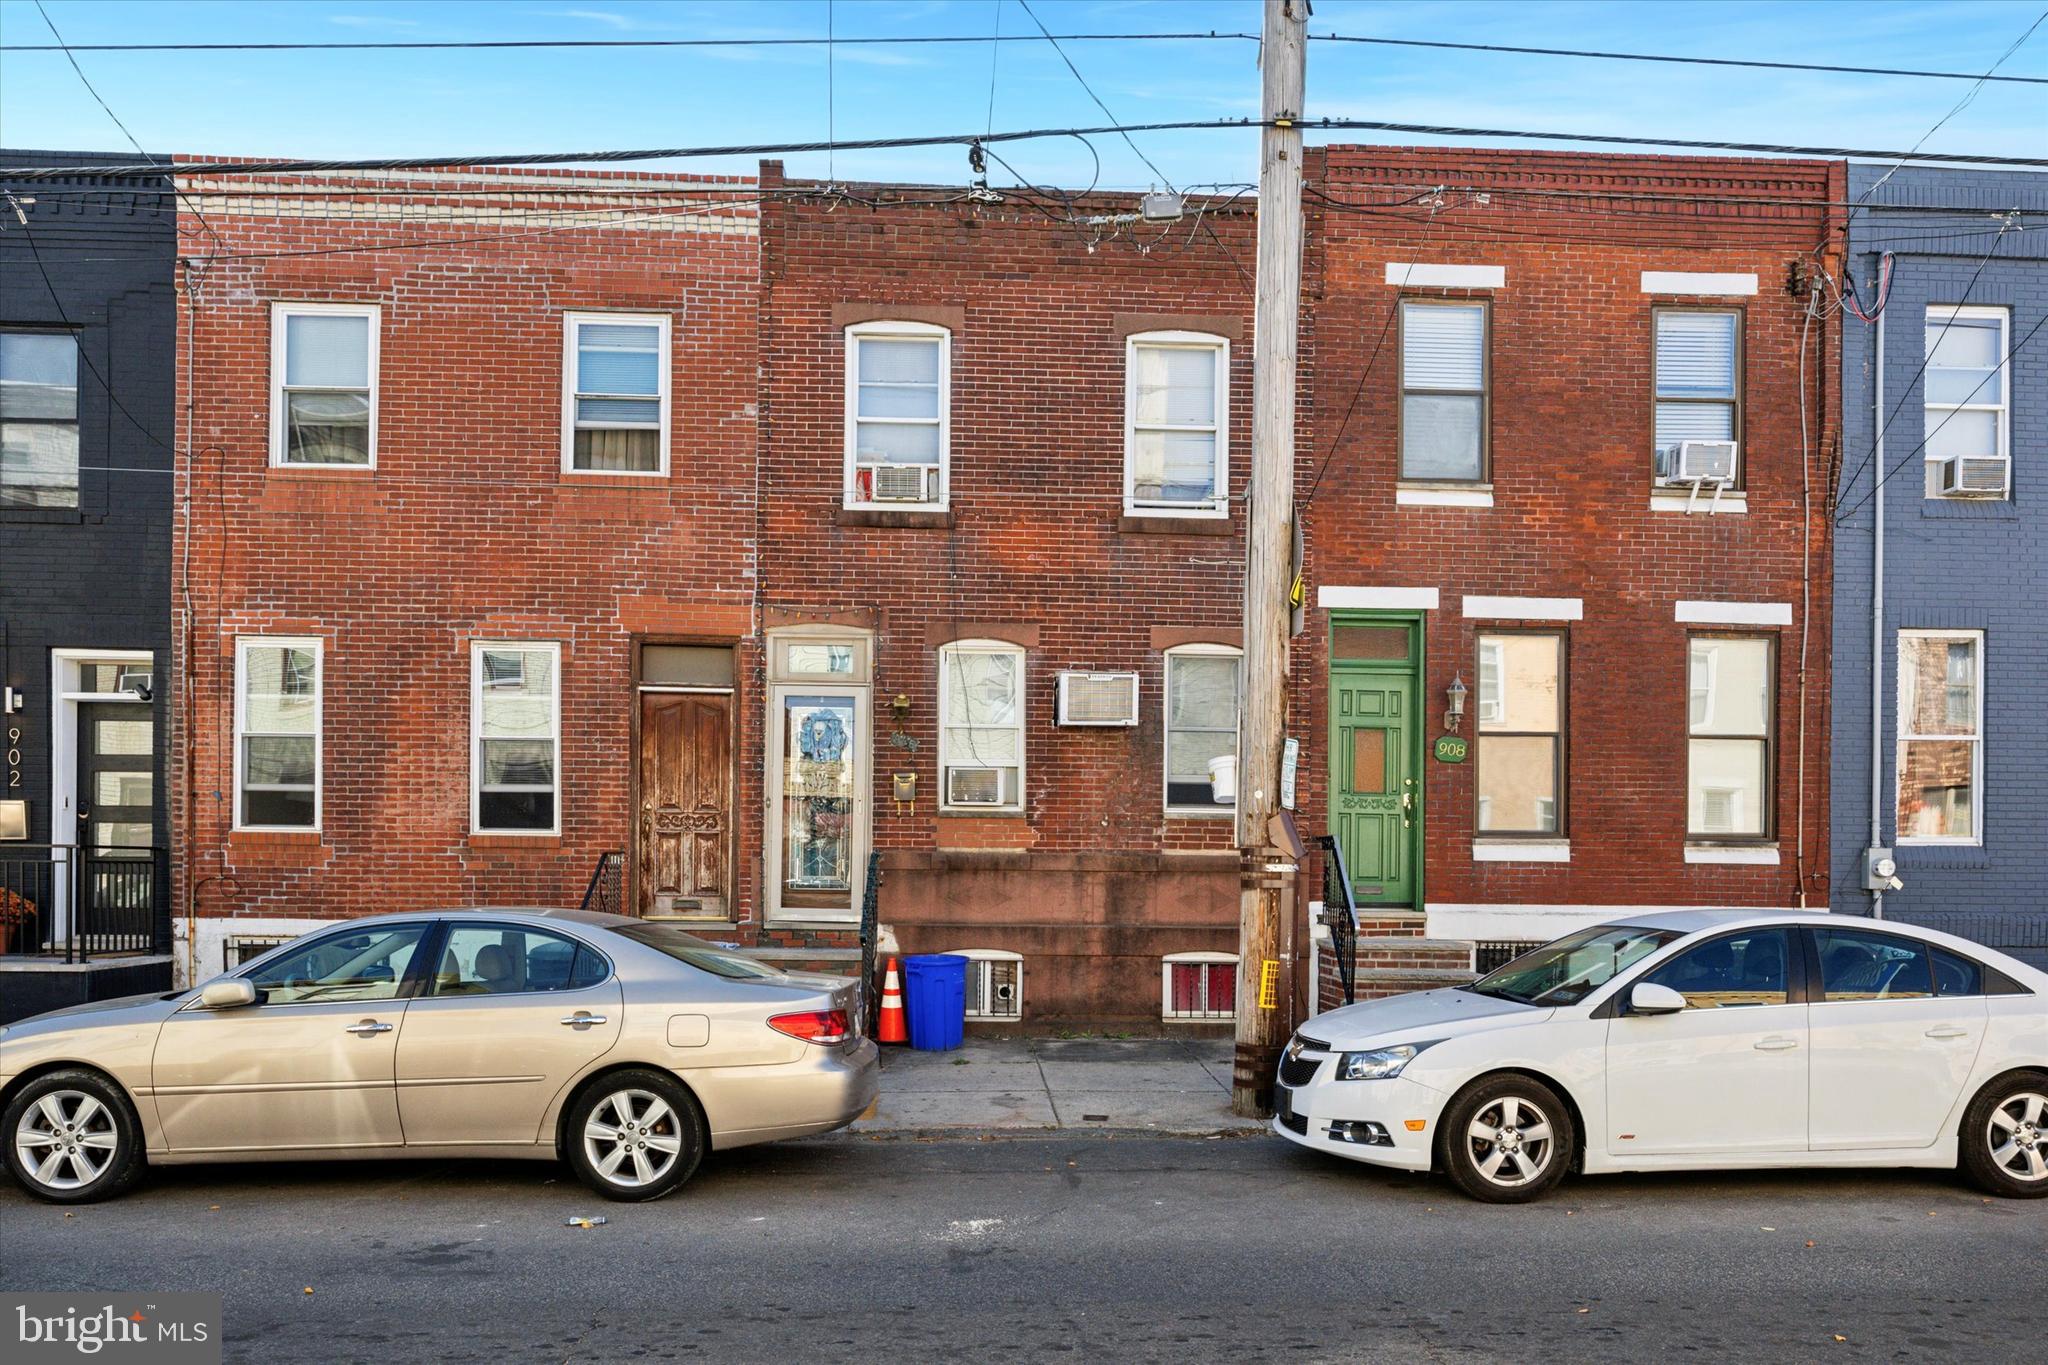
1569	970
699	953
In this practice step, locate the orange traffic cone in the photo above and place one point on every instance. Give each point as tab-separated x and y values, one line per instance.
889	1028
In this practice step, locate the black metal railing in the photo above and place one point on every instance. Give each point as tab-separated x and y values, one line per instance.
606	893
1340	913
73	902
1490	955
870	931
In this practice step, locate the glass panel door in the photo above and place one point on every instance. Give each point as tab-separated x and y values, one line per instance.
820	745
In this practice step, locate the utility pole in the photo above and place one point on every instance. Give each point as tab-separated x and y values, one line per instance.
1267	868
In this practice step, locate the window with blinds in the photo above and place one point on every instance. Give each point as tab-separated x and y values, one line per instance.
1443	390
1698	380
1174	422
898	413
323	398
616	406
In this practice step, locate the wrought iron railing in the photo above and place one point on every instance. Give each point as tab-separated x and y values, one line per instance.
606	893
1340	913
870	930
73	902
1492	954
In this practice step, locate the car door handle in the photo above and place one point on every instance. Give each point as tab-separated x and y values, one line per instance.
367	1027
583	1018
1948	1031
1776	1044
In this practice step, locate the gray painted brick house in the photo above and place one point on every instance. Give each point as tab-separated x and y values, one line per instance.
1955	416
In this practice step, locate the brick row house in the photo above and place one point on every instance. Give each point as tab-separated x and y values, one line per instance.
751	532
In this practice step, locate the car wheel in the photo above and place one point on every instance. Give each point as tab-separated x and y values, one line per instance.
2005	1137
72	1138
1507	1140
635	1136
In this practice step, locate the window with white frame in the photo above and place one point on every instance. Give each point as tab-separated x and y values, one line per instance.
1698	381
981	729
1519	751
615	393
1968	422
38	419
1176	424
323	384
1203	684
515	738
1941	736
1198	986
995	983
1443	390
898	414
1732	717
277	734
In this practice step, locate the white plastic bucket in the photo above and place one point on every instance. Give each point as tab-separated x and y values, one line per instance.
1223	779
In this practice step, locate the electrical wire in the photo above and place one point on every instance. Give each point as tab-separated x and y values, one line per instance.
33	173
1025	5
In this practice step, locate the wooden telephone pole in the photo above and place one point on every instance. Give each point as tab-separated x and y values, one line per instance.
1268	866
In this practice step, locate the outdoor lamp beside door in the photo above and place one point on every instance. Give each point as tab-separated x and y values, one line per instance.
1454	699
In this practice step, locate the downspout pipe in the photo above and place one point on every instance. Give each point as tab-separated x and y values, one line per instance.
1877	465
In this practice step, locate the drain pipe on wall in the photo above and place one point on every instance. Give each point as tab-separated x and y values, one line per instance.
1877	607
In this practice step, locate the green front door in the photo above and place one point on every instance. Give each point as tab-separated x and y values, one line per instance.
1375	780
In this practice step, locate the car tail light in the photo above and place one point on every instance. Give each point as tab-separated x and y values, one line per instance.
814	1026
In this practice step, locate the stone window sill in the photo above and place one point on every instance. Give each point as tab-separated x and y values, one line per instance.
1751	855
1733	500
903	521
1140	524
322	471
1425	493
1521	850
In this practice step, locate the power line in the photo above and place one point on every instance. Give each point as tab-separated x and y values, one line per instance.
279	166
1026	7
910	40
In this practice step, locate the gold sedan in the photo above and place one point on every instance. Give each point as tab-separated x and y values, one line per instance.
625	1047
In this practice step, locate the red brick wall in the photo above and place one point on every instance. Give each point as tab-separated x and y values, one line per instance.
466	529
1571	440
1036	540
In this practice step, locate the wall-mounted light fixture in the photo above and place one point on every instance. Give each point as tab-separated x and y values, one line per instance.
1454	703
10	700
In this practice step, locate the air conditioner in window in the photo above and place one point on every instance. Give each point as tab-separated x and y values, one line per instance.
1098	699
1698	462
1972	476
974	786
898	482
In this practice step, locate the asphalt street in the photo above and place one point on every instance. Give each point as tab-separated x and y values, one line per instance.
1064	1247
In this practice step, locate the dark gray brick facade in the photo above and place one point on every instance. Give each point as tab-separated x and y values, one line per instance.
97	577
1978	565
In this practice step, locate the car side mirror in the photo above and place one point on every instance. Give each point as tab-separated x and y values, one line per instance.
232	993
1651	998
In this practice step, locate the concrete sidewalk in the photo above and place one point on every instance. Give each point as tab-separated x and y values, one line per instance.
1157	1085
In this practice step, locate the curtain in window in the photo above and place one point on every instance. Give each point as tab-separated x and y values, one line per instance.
618	397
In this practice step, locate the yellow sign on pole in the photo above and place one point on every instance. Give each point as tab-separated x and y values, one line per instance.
1269	984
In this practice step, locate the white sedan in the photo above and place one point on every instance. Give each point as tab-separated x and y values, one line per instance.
1692	1040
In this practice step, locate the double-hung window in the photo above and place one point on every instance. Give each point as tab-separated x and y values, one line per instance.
515	709
1941	736
277	734
1520	759
981	730
615	394
1176	404
323	384
898	414
38	419
1443	390
1698	384
1732	696
1202	690
1967	425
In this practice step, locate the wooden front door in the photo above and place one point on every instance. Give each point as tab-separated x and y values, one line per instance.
685	835
1375	781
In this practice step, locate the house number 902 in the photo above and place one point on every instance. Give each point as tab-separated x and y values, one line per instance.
14	758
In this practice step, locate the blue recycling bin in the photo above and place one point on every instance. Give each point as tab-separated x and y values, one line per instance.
935	1001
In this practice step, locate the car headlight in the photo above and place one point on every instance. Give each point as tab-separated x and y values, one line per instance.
1380	1064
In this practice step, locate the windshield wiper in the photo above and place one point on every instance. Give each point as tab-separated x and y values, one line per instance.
1496	993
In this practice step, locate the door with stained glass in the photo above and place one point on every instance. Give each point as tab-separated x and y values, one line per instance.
820	751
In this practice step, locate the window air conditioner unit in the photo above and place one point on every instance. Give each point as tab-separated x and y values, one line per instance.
1697	462
1973	476
899	482
974	787
1098	699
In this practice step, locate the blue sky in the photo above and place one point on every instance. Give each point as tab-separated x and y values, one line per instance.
459	102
